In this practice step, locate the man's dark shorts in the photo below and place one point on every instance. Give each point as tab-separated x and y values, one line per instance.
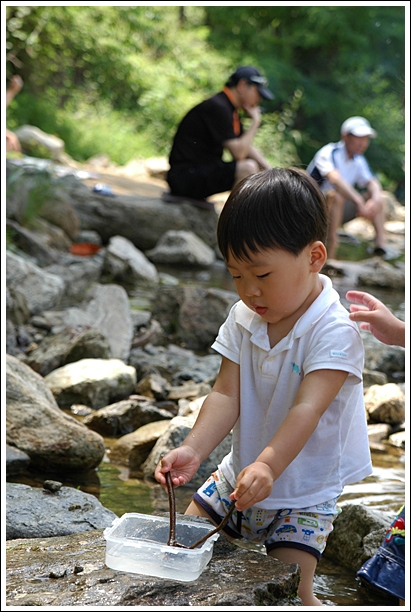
202	181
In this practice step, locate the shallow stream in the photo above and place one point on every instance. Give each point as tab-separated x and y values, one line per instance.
384	490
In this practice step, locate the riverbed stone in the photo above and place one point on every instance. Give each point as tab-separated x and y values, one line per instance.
124	417
41	289
182	248
385	404
71	571
134	448
357	534
93	382
173	437
35	424
34	512
70	345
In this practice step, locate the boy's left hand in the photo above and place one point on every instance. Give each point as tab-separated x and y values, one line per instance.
254	483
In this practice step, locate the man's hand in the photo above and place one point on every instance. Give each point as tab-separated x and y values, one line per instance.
254	112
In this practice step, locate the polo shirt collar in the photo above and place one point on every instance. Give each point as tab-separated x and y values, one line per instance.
257	327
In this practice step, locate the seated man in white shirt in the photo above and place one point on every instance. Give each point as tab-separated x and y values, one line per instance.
337	167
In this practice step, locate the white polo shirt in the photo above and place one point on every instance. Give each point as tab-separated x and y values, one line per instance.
337	453
333	156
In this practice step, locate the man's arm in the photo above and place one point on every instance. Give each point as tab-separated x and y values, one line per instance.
242	147
345	189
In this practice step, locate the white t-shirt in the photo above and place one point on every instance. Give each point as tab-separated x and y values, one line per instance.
337	453
333	156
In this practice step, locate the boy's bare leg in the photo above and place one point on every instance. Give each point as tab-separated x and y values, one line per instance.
195	509
307	563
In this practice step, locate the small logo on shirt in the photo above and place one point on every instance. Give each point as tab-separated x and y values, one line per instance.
295	367
338	354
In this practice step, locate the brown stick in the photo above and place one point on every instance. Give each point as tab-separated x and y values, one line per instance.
172	506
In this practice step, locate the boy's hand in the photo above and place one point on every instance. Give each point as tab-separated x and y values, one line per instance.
254	483
182	462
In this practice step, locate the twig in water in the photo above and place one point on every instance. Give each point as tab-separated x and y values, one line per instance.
172	505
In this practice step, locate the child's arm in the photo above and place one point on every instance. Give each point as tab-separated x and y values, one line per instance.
216	418
317	391
376	318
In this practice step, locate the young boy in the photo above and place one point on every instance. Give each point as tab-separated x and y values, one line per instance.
290	380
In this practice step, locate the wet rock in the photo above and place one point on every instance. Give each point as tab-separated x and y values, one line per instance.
16	460
33	512
357	534
192	315
234	577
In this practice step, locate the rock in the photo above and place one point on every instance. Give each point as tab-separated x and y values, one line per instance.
32	136
16	460
182	248
385	404
126	265
140	219
134	448
106	308
177	431
94	382
68	346
233	577
357	534
40	513
125	416
35	424
192	314
154	386
41	289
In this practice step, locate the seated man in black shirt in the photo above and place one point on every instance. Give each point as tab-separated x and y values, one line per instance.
197	169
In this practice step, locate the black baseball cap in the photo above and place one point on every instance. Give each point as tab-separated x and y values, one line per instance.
253	76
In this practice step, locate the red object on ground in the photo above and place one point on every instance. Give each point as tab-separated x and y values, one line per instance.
84	248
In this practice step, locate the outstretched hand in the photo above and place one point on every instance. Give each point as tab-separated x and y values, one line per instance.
376	318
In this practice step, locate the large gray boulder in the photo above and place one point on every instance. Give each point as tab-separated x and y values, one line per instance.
140	219
35	424
73	573
33	512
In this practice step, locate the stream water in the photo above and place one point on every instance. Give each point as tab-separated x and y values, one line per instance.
385	490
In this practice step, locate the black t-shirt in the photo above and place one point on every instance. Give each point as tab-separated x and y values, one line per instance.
202	131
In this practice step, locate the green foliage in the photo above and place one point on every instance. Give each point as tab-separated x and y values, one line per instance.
118	79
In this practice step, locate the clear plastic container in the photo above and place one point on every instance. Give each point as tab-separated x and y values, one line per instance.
137	543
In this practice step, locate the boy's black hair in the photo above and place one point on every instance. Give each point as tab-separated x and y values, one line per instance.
280	208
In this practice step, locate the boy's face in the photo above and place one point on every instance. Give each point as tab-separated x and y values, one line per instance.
276	284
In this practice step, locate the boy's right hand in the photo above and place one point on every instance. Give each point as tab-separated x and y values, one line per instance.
182	462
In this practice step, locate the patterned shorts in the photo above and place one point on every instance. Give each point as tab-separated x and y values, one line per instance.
304	528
